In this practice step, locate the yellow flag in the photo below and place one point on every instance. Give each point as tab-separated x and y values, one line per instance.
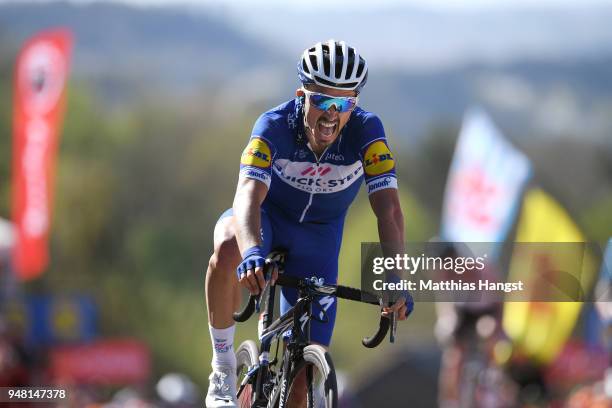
540	329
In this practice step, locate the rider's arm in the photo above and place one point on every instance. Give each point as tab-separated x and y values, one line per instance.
253	184
250	194
381	183
386	206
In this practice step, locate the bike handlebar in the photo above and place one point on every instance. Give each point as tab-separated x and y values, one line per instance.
345	292
379	336
248	310
339	291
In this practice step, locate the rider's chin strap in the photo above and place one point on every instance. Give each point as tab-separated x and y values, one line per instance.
299	121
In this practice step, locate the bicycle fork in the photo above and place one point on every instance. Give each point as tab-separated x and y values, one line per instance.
293	353
261	377
283	385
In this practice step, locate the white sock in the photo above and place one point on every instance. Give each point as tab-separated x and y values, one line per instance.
223	346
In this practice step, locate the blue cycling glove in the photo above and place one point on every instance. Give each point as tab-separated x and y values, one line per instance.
409	302
404	293
251	259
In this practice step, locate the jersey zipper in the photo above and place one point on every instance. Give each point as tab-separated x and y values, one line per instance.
318	159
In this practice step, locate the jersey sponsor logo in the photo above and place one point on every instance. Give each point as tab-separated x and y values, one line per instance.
257	153
378	159
308	177
382	183
334	156
256	174
313	171
292	121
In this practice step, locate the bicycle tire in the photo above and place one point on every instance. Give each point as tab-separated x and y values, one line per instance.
321	361
247	355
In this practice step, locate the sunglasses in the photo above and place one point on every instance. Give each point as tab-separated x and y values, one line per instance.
324	102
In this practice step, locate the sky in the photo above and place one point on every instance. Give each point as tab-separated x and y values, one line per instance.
449	32
359	4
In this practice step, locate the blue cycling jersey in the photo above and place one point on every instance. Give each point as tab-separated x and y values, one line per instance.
308	196
307	188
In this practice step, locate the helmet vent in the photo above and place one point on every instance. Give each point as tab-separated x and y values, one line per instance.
349	69
351	63
313	61
326	66
339	62
360	67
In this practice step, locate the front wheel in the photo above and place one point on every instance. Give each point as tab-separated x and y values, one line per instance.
247	356
313	380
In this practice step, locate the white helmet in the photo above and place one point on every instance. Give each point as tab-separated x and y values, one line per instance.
333	64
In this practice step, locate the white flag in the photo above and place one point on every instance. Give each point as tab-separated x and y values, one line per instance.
485	182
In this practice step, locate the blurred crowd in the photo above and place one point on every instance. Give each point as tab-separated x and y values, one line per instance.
23	367
482	366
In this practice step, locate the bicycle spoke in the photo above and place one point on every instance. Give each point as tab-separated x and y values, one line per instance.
309	385
244	393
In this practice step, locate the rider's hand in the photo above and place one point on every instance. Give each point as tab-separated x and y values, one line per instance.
402	307
251	270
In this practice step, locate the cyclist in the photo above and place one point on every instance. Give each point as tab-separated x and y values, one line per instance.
299	173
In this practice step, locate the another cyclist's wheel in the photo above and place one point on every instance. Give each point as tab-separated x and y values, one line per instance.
314	379
247	356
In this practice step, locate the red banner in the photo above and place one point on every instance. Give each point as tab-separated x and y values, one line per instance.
40	79
107	362
578	363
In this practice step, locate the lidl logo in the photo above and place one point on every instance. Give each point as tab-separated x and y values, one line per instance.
257	153
378	159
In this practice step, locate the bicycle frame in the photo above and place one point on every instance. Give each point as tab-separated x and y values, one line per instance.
297	318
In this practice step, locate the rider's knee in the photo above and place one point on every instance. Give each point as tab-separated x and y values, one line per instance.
226	254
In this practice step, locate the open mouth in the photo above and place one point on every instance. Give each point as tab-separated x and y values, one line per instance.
327	128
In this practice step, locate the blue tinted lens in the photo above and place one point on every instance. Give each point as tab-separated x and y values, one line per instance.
324	102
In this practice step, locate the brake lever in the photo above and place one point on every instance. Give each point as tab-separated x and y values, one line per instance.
393	318
260	297
267	278
258	304
393	327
